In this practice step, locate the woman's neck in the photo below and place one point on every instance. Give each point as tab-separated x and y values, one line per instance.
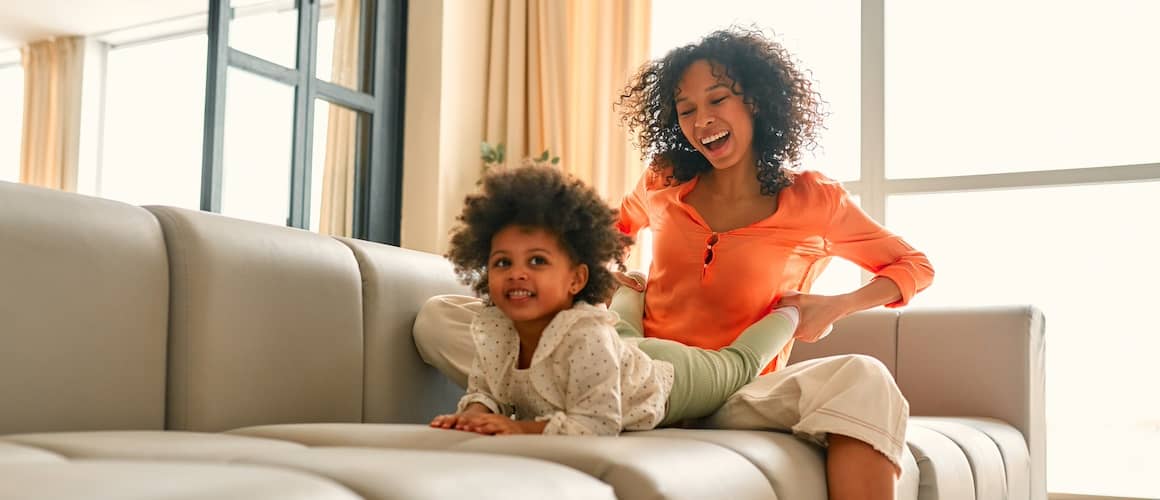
738	182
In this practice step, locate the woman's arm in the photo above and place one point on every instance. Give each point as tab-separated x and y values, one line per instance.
820	312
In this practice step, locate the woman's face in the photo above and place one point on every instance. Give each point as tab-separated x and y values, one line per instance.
717	122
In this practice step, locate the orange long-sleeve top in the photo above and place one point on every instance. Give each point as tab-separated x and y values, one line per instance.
704	287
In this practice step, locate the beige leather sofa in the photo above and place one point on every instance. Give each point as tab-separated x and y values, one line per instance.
158	352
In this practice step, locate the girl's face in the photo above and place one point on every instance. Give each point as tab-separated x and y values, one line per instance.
717	122
530	277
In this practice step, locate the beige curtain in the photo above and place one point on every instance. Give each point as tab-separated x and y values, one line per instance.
554	70
342	127
52	110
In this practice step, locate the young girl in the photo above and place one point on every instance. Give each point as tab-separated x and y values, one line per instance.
548	357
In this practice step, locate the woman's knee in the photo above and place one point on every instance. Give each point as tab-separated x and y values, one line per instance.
870	371
439	317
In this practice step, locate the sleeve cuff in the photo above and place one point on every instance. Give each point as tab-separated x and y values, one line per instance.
905	283
480	398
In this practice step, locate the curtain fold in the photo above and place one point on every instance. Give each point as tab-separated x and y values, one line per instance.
50	147
339	168
554	70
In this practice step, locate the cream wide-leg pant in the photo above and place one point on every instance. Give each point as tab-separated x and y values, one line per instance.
851	395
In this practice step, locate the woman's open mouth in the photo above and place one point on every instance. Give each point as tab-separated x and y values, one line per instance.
714	143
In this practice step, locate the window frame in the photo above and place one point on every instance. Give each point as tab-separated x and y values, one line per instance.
378	178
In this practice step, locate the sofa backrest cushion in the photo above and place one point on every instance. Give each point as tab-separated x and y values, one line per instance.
266	324
400	387
83	312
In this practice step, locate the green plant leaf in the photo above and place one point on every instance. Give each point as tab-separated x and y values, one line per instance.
500	153
555	160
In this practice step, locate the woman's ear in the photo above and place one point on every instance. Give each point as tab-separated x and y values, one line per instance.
579	279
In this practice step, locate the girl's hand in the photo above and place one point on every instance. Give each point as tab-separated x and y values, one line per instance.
488	423
447	421
818	314
453	421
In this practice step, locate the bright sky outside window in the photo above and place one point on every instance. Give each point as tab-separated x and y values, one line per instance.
996	86
154	109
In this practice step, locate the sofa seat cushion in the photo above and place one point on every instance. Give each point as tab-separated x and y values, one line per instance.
635	468
371	472
419	474
150	445
11	453
128	480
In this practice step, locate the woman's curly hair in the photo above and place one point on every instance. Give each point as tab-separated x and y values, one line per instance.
540	197
788	110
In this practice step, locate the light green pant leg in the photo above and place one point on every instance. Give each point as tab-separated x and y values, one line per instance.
629	305
703	378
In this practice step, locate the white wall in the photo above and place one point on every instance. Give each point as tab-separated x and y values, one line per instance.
447	50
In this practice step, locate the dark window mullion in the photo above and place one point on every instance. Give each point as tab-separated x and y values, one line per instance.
378	197
215	103
342	96
303	115
262	67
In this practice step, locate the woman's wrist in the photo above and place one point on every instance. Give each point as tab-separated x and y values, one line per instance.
877	292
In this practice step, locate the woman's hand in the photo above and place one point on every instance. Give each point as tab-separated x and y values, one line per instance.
632	279
818	314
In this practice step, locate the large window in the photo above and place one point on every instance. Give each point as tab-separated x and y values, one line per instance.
1014	143
290	117
11	114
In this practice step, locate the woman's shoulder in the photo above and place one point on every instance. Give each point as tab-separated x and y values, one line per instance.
659	176
813	179
813	182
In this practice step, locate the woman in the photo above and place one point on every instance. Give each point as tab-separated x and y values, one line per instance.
734	230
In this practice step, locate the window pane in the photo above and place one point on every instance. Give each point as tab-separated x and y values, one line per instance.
266	29
154	110
11	120
1062	250
257	148
823	35
338	59
996	86
335	150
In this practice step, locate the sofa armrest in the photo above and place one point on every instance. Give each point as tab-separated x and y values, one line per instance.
977	362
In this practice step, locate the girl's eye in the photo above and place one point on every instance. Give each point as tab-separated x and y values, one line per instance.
538	261
502	262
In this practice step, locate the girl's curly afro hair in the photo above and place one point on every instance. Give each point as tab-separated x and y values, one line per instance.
540	197
788	110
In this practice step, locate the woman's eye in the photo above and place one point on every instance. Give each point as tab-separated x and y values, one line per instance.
686	112
719	99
